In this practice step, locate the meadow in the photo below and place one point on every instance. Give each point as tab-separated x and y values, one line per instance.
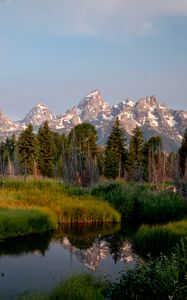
36	206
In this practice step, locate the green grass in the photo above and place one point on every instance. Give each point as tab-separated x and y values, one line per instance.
48	198
77	288
138	204
82	287
19	222
159	238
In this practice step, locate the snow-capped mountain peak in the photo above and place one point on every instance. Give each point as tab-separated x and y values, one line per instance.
94	94
37	115
153	117
92	105
129	102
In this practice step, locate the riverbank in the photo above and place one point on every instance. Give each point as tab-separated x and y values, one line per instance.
34	206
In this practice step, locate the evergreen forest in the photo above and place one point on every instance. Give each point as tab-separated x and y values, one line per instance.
78	160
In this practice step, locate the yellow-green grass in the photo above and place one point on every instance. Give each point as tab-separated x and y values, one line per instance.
18	222
51	197
160	238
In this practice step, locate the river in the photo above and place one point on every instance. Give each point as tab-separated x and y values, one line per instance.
38	263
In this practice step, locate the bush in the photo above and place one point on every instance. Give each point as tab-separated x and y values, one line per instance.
158	279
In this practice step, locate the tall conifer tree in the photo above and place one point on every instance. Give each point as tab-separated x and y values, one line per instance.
136	157
115	153
27	151
46	151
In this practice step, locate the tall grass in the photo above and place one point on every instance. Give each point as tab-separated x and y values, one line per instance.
52	198
159	238
140	205
18	222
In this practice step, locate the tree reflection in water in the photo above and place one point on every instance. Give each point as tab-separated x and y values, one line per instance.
88	243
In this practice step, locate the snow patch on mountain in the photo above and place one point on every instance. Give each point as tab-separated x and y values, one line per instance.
38	115
153	117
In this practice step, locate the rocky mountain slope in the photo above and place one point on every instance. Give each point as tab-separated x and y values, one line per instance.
153	118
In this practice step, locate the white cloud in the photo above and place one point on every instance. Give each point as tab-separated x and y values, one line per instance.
92	17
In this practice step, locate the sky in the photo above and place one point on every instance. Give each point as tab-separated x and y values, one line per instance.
57	51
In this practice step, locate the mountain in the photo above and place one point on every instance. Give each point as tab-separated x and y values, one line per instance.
7	127
37	115
153	117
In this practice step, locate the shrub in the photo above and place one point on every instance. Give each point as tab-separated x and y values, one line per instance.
157	279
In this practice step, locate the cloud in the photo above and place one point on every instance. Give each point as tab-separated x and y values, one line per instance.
92	17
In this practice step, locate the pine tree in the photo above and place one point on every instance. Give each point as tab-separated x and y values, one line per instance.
183	155
27	151
46	153
136	156
115	153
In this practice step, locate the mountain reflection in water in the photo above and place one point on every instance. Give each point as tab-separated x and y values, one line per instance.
99	250
38	263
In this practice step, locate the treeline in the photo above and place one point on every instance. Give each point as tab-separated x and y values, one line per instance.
78	159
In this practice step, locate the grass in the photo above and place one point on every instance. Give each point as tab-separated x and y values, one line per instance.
82	287
138	204
18	222
159	238
49	198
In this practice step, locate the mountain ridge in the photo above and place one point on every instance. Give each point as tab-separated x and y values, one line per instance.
153	117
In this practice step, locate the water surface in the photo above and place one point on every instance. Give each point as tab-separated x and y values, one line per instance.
39	263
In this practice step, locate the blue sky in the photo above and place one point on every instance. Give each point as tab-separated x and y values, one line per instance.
56	51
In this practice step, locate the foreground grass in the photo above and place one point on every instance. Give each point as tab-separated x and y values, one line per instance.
159	238
82	287
48	198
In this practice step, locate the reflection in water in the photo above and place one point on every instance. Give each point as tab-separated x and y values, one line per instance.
99	250
40	262
23	245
